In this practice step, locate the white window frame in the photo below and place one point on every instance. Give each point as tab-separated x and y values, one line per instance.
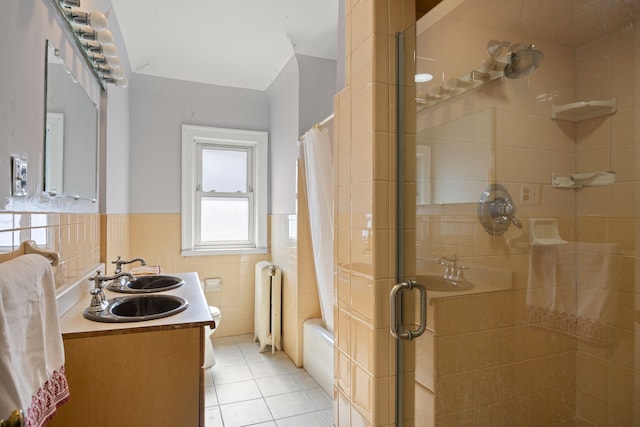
257	143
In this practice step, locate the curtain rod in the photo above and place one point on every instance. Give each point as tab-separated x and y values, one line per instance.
325	121
318	125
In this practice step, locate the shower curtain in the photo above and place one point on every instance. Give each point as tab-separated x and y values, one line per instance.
316	155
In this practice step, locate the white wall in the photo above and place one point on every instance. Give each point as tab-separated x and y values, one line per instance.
283	100
25	25
317	88
158	108
301	96
143	119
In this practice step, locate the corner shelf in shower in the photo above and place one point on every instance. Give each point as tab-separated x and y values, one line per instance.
577	180
583	110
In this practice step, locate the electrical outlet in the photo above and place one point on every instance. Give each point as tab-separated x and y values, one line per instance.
530	194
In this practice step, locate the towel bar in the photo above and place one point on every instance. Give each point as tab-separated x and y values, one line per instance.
16	419
30	247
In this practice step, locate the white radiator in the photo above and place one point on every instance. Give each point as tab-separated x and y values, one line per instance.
268	312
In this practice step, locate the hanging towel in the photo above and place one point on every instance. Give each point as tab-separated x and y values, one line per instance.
31	352
568	290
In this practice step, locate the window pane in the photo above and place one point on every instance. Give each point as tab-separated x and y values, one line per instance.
224	170
224	219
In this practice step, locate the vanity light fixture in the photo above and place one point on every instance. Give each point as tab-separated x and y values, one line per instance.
89	29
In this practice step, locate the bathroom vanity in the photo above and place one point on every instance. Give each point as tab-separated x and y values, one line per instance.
145	373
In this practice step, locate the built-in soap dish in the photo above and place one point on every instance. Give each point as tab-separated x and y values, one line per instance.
544	232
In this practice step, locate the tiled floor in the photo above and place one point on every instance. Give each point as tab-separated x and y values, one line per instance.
249	388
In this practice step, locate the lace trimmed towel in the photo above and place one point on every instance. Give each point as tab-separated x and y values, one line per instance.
32	374
569	290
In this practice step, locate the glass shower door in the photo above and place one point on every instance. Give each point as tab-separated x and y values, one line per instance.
521	213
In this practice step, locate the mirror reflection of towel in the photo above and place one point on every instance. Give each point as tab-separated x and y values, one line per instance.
569	289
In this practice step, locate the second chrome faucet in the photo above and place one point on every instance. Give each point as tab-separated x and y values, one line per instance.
452	270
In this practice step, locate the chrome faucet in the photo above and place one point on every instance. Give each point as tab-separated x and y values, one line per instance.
452	270
119	262
98	298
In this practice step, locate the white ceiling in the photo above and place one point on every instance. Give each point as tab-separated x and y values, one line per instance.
237	43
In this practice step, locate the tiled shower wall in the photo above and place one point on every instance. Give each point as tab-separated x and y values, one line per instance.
364	155
608	221
541	363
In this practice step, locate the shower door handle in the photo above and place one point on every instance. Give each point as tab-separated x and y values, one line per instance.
396	310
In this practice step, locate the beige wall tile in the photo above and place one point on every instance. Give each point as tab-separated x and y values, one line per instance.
362	22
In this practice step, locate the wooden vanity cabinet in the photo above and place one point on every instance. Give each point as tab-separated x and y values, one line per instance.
134	377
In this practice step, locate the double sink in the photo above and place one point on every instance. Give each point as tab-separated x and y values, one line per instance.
145	303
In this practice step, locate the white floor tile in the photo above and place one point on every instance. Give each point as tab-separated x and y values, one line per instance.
306	381
245	413
212	417
271	367
313	419
235	386
238	391
210	397
320	398
290	404
278	384
208	378
228	356
230	374
328	414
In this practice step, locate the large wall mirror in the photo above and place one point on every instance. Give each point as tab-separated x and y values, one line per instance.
71	134
455	155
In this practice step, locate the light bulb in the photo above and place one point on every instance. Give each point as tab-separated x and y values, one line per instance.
117	73
114	61
105	37
422	77
97	20
109	50
123	82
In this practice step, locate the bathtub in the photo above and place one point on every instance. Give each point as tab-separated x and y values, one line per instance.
317	353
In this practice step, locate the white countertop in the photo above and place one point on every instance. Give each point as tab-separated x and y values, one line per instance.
73	323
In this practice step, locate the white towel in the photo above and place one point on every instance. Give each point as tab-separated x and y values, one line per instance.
569	288
31	350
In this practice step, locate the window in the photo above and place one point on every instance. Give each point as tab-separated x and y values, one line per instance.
224	191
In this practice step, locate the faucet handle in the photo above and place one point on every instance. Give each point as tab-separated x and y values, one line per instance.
459	272
450	265
98	300
98	279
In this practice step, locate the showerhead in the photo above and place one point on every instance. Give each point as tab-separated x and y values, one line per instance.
523	62
522	59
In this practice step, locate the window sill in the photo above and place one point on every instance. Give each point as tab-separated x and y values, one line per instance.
223	251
